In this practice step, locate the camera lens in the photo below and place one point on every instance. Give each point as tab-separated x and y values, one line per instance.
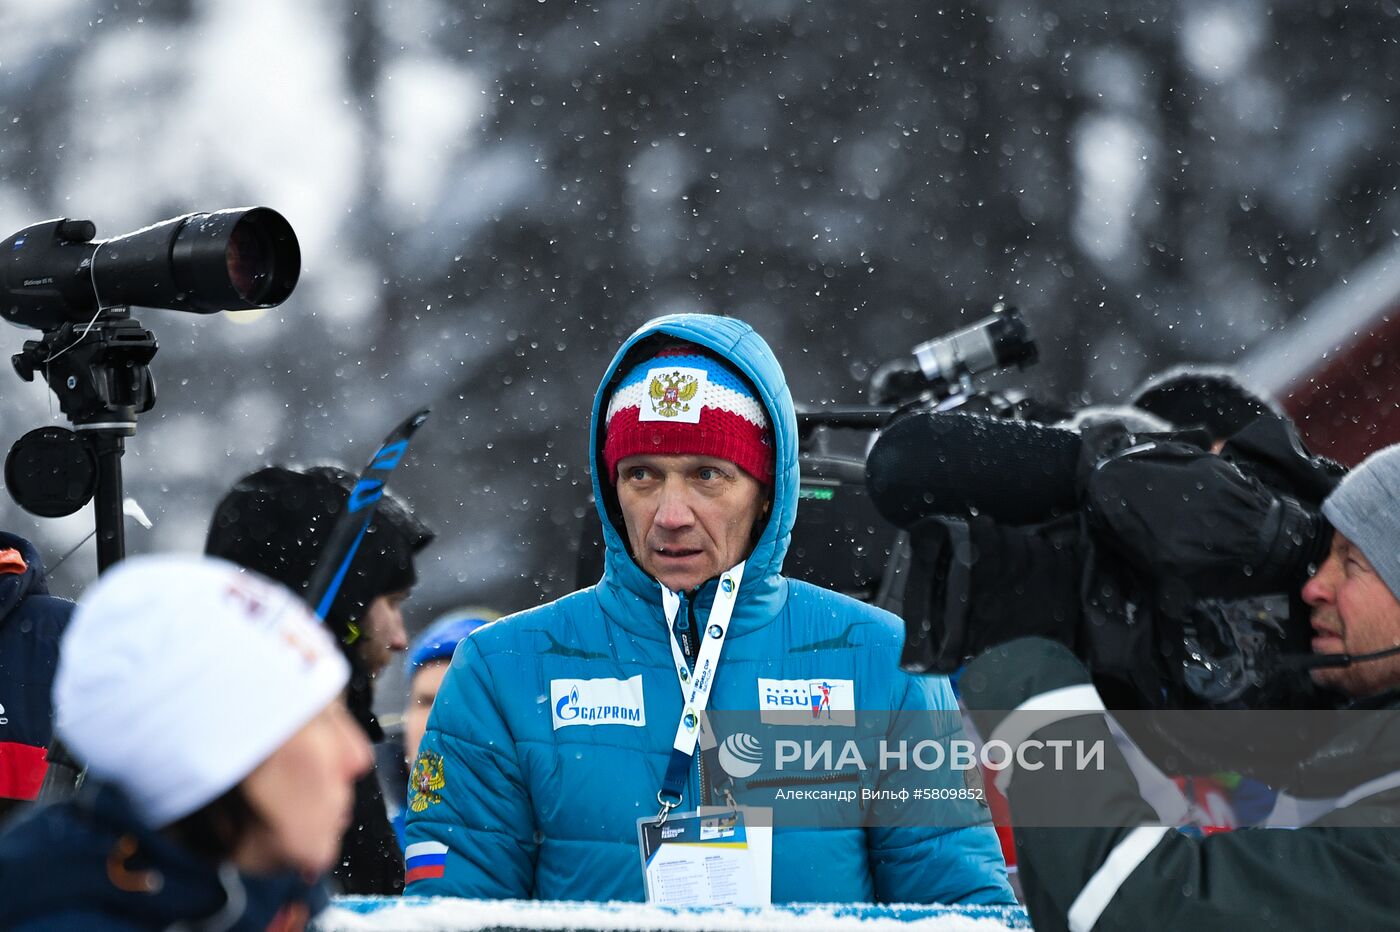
250	260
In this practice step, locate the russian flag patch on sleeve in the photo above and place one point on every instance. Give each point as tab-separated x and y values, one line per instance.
425	860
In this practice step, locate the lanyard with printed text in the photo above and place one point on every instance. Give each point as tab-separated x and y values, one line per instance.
695	683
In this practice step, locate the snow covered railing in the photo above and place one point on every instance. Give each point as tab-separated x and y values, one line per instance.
440	914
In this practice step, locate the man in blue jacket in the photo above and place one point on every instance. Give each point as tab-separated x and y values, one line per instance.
553	732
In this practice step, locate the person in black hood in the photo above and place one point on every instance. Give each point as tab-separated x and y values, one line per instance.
276	521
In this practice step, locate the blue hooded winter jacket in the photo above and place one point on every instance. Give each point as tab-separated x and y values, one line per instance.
527	810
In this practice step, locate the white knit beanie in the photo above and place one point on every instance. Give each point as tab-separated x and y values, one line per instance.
179	675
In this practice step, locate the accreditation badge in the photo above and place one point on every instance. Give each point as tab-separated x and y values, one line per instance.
717	856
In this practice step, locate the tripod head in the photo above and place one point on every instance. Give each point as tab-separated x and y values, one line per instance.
99	373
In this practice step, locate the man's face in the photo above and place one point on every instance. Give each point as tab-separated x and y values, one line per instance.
689	518
381	631
1353	612
427	680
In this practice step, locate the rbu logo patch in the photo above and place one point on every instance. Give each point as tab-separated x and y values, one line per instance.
597	702
820	700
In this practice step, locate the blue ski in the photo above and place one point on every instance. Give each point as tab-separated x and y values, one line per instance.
350	528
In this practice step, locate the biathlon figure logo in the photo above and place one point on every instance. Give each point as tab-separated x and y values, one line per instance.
818	700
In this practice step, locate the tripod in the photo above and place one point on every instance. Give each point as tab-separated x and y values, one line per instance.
101	376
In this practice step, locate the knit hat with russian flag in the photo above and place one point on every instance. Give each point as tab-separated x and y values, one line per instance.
684	402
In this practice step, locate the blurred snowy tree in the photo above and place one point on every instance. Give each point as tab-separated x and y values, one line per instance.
492	194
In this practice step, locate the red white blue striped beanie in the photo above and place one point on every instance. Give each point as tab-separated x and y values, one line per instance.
684	402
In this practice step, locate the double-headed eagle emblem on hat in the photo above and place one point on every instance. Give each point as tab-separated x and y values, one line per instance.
671	393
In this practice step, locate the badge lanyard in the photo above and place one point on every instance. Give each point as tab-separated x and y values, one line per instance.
695	683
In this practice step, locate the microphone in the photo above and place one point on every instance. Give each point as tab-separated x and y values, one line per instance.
1305	662
932	463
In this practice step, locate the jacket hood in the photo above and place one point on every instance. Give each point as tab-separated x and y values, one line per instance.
738	344
17	586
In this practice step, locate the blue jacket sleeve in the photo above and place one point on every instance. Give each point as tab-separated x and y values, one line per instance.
470	828
954	862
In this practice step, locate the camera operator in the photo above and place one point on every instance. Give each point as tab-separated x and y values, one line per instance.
1135	872
1164	566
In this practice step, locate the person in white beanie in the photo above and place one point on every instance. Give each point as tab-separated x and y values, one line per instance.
207	704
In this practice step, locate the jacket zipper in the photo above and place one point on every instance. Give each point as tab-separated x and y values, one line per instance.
776	782
688	627
699	753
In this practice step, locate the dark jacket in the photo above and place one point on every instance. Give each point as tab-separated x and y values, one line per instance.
1341	871
31	624
87	863
371	858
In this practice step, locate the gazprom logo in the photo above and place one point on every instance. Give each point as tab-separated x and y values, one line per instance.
567	708
597	702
